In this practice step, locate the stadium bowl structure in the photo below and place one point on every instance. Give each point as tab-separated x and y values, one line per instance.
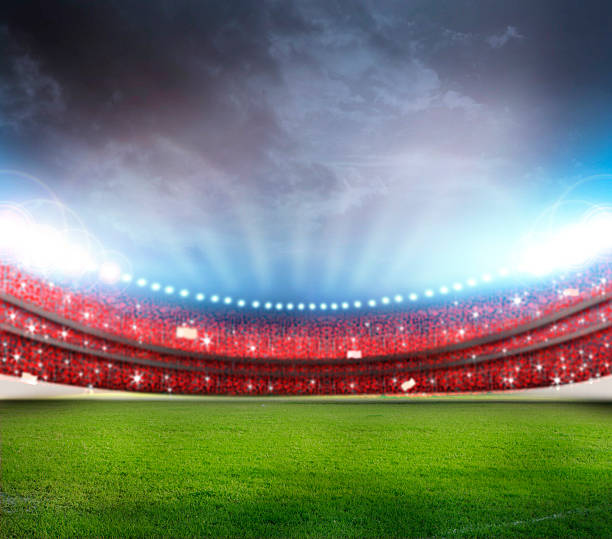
551	334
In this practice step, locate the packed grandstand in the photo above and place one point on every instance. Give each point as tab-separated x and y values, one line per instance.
552	333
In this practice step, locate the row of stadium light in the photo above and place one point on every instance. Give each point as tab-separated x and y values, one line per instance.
142	282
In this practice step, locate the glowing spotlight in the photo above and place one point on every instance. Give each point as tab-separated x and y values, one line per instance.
334	306
141	282
372	303
345	305
290	306
444	290
301	306
486	278
457	287
241	303
255	304
471	282
155	287
413	297
312	306
200	296
214	298
357	304
398	298
571	246
279	306
429	293
126	278
227	300
516	300
268	305
385	300
169	290
323	306
110	273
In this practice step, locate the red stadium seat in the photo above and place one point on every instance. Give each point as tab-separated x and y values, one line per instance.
479	344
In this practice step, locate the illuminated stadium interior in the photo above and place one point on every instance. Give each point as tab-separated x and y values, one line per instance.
75	312
314	268
552	334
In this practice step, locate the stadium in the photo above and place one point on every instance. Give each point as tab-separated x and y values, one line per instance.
276	269
550	335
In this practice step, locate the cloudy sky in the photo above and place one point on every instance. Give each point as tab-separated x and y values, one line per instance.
310	149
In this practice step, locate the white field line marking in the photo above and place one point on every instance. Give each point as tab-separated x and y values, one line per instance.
555	516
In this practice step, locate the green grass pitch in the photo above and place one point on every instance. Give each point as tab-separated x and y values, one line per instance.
305	468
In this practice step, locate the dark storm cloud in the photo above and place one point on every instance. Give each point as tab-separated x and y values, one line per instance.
295	146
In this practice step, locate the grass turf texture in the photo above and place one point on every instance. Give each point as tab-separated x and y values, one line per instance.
282	468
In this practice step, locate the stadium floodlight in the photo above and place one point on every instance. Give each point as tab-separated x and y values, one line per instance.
413	296
372	303
279	306
301	306
227	300
268	305
200	296
214	298
357	304
398	298
141	282
126	278
457	287
429	293
345	305
155	287
323	306
487	278
241	303
290	306
312	306
255	304
444	290
385	300
471	282
334	306
169	290
503	272
110	272
184	293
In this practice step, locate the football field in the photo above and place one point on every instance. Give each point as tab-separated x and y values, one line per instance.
282	467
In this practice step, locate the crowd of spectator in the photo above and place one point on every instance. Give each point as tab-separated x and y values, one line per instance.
245	333
61	336
585	358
